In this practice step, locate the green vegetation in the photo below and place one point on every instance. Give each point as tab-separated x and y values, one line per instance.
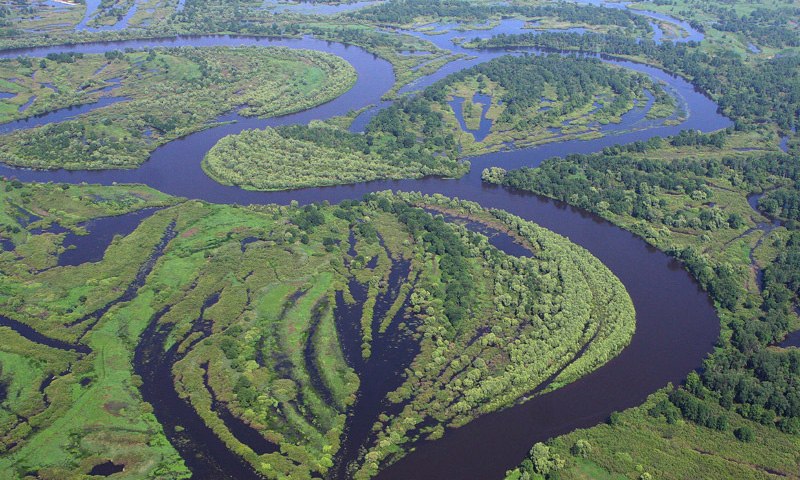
654	441
531	96
736	25
250	299
688	195
166	93
537	99
319	154
156	18
59	391
315	156
407	12
749	93
459	372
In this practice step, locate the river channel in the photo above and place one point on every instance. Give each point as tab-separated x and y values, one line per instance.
676	323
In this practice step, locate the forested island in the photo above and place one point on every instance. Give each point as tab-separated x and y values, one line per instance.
328	240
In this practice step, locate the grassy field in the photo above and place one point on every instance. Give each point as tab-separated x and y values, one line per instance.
162	94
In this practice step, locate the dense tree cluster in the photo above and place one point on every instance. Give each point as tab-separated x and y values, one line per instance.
403	11
747	93
766	27
409	138
306	156
303	156
576	79
777	200
625	185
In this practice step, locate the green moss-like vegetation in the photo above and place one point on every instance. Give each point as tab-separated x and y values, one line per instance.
71	404
253	300
165	93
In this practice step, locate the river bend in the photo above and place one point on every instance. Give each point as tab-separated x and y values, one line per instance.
676	323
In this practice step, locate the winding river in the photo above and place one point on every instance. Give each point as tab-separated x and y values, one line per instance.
676	323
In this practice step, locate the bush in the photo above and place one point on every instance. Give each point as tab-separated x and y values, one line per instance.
744	434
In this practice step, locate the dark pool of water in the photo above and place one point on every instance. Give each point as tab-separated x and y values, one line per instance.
381	373
91	247
485	124
203	452
791	340
36	337
498	239
106	469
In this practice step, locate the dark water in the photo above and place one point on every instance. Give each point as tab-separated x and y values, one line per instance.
791	340
91	247
485	124
500	240
239	428
676	324
56	115
676	327
202	451
381	373
106	469
36	337
767	227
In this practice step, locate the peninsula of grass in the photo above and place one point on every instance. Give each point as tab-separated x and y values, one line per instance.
157	96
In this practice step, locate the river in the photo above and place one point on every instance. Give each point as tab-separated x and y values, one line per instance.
676	323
